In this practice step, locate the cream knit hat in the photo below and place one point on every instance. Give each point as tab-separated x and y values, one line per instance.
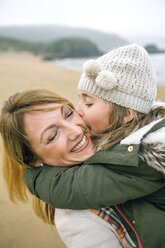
124	76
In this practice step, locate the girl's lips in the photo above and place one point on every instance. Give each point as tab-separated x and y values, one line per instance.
81	145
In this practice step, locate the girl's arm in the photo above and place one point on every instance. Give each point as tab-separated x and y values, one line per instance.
89	186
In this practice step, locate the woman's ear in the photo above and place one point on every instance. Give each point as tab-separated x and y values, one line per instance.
129	115
38	163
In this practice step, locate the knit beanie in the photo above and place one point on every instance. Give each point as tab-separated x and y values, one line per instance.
124	76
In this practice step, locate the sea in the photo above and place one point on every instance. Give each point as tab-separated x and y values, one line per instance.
158	61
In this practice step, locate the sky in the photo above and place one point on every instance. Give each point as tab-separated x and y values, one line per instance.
124	17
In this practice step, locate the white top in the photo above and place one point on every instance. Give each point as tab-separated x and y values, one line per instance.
84	229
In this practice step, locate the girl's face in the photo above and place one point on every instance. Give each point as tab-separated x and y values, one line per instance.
94	111
59	137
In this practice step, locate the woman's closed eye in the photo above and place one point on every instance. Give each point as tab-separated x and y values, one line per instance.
69	113
52	137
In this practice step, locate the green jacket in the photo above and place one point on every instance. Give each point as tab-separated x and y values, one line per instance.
119	175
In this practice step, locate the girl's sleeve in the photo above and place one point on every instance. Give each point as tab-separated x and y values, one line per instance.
87	186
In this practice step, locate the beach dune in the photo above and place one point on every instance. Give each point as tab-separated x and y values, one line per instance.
19	227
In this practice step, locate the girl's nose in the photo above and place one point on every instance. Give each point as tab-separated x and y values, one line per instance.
79	109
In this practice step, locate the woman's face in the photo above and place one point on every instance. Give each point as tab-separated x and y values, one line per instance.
59	137
94	111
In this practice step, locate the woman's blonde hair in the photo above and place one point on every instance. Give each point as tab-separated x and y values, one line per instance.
17	152
118	129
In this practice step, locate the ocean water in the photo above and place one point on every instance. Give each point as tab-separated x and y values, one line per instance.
158	61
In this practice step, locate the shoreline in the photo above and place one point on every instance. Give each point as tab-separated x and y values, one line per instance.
158	61
22	71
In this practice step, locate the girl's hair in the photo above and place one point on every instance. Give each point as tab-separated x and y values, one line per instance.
118	130
17	152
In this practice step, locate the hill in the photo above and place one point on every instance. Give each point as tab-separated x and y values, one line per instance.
104	41
61	48
152	48
7	44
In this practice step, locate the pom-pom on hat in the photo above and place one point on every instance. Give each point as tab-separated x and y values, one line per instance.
124	76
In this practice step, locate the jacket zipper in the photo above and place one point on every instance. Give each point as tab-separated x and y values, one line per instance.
129	223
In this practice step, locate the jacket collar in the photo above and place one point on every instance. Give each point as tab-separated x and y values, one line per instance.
136	137
126	155
133	147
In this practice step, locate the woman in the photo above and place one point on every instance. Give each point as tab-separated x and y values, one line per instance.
41	108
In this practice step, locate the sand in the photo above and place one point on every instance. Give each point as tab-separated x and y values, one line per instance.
19	227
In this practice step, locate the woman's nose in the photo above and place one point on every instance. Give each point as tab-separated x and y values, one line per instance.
74	131
79	109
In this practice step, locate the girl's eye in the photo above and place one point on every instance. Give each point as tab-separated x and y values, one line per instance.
51	138
88	104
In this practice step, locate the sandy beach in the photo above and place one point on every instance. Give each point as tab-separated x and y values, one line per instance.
19	227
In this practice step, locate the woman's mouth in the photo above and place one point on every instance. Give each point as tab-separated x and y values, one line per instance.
81	145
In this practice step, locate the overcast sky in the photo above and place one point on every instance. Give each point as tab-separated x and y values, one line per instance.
124	17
